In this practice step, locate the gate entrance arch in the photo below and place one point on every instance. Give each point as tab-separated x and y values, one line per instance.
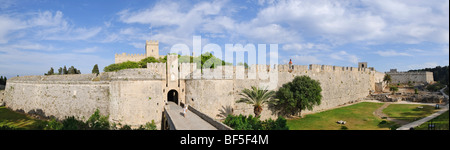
172	96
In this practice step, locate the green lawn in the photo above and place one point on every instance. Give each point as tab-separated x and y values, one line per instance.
408	112
11	119
441	122
358	117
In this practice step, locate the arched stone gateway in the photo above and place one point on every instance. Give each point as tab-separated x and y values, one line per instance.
172	96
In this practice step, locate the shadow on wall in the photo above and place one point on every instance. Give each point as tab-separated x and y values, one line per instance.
225	111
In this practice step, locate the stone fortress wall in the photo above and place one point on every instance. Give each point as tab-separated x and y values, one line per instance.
407	77
120	58
137	96
340	85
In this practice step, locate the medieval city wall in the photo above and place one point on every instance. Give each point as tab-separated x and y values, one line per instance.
132	96
2	96
406	77
119	58
58	95
137	96
216	91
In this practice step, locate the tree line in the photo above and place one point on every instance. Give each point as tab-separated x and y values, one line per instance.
62	71
206	60
3	80
71	70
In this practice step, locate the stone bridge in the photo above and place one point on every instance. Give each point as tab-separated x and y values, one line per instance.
173	119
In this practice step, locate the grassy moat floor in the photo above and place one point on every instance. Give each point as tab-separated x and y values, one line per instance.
359	116
10	119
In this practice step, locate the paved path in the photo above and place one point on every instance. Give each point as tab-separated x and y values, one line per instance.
190	122
428	118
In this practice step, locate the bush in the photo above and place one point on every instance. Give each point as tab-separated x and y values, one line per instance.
435	87
148	126
53	125
242	122
125	127
393	89
98	122
70	123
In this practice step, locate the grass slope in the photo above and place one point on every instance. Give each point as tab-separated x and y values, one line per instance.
358	116
16	120
441	122
408	112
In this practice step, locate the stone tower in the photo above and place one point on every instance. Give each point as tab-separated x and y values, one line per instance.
152	48
362	65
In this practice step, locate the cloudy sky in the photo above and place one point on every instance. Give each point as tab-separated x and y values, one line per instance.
408	34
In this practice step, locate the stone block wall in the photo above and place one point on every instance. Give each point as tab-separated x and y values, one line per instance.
406	77
137	96
209	96
119	58
2	96
340	85
136	102
58	98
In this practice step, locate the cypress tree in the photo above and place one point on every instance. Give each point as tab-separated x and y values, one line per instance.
95	69
60	71
65	70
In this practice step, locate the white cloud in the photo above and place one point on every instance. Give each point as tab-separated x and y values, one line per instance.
305	48
31	46
445	50
390	53
8	25
175	24
303	59
6	4
139	45
53	26
344	56
88	50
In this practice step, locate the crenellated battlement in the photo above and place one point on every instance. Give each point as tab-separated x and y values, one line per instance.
151	42
128	55
119	58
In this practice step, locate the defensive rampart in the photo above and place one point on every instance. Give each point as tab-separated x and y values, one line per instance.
137	96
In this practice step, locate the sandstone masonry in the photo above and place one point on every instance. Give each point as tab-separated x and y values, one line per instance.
137	96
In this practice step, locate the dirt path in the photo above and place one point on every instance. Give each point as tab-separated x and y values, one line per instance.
379	113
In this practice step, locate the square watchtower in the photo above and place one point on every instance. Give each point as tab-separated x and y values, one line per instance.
152	49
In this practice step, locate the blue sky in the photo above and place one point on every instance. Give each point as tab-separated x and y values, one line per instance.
38	34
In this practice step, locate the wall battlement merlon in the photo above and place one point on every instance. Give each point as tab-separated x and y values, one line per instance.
410	73
152	42
125	54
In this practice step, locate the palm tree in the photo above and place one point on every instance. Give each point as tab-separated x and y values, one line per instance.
256	97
